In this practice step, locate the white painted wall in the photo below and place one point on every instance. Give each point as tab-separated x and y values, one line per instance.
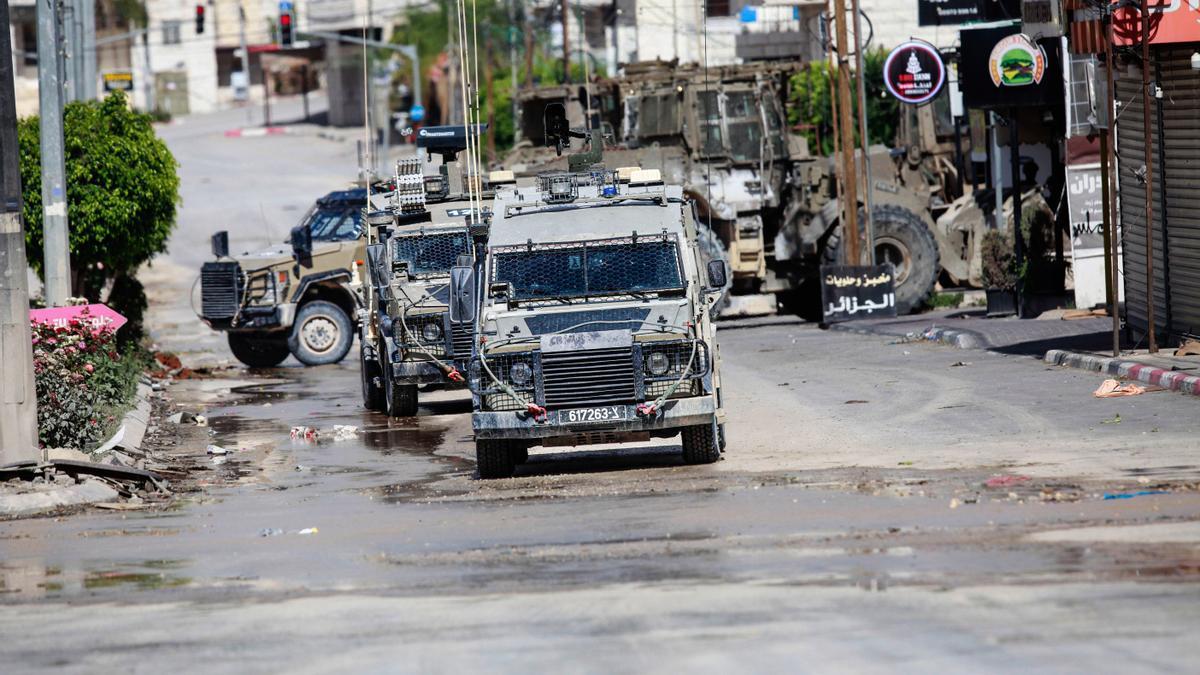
195	54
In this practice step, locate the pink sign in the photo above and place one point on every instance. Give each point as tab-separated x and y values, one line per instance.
99	317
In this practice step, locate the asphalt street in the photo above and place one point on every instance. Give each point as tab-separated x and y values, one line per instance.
882	505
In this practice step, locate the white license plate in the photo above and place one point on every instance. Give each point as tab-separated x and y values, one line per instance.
608	413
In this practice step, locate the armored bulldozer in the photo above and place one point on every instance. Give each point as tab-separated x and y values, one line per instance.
722	134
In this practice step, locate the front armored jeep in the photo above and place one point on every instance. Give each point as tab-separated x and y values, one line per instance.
295	298
594	323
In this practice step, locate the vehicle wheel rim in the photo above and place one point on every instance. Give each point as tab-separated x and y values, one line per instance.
319	334
888	250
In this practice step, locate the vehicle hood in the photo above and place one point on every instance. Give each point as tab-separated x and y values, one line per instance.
662	314
274	256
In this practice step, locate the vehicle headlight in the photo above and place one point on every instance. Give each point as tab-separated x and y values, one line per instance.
520	373
431	332
657	363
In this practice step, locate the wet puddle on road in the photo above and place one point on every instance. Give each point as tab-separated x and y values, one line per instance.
24	580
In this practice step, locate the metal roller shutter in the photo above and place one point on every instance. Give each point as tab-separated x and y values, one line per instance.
1179	277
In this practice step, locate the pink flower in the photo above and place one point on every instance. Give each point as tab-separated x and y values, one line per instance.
89	368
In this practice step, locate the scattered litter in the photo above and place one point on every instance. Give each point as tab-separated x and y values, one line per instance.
308	530
1131	495
1113	389
1144	480
122	506
219	460
201	421
905	463
270	532
1115	420
1077	314
304	433
1005	481
954	503
960	364
217	450
301	467
854	400
267	404
1188	348
344	432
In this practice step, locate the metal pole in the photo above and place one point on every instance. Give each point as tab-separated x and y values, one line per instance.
149	76
304	89
1151	342
1163	216
18	395
997	173
245	61
512	57
69	31
87	19
56	269
1111	180
1109	294
1014	154
566	15
846	131
266	95
864	139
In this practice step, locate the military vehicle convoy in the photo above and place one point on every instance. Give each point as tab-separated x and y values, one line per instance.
293	299
592	304
722	134
426	225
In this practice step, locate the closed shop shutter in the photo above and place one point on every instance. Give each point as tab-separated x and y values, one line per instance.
1179	277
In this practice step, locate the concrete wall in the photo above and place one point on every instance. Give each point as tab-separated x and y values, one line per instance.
194	55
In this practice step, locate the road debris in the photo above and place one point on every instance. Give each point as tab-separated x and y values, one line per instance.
270	532
304	434
1113	389
217	450
1115	420
308	530
855	400
1006	481
960	364
344	432
1130	495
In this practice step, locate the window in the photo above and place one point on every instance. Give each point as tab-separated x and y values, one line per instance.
605	267
170	32
335	224
431	253
711	143
717	7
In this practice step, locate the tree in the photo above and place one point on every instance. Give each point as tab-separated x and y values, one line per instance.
122	190
811	103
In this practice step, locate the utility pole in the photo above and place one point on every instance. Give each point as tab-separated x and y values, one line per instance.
566	15
57	266
18	397
245	60
1147	143
512	56
87	65
864	137
846	131
1110	178
149	76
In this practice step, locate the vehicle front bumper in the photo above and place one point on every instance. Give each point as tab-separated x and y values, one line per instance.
258	319
675	414
422	372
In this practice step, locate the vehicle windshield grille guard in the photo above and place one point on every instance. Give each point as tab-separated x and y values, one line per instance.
578	269
430	253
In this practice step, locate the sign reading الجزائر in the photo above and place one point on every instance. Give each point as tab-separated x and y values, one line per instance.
851	292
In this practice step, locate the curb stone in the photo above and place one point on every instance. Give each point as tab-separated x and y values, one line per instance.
962	339
1167	379
43	501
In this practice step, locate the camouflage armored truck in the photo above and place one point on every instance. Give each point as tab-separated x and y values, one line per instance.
426	226
294	298
722	134
593	320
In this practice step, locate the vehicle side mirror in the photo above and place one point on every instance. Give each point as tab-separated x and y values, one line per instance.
220	244
463	300
717	275
302	246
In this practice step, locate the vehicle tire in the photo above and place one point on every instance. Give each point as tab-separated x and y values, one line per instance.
721	437
399	400
700	445
258	351
322	334
372	381
495	457
903	239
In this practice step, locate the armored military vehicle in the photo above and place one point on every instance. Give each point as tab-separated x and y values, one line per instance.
592	304
427	225
722	134
294	298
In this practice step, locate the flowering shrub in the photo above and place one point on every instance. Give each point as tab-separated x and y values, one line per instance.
83	383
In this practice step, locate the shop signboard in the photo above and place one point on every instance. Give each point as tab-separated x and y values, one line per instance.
914	72
850	292
118	80
1085	207
1003	68
957	12
1171	22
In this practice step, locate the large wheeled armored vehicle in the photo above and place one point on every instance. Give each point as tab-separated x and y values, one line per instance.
427	225
722	134
293	299
593	320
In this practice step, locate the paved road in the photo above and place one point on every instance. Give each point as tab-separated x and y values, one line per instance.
848	528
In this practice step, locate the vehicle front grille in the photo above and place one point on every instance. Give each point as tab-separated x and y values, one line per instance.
462	335
413	340
591	377
220	290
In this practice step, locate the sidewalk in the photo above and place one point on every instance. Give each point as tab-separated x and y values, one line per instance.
1085	344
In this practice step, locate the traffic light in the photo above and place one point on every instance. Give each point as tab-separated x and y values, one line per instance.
199	19
287	21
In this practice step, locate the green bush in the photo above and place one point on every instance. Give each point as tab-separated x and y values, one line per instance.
122	190
83	383
810	103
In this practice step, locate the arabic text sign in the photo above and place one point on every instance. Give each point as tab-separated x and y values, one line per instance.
99	317
850	292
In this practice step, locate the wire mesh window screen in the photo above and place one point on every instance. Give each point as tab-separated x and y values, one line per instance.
710	124
596	268
431	253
